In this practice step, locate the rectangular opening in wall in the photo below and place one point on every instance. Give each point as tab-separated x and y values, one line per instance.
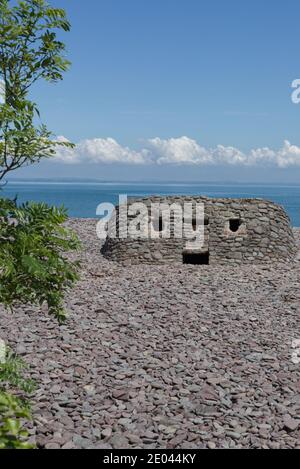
234	225
191	258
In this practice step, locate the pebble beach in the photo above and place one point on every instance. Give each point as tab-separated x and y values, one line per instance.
156	357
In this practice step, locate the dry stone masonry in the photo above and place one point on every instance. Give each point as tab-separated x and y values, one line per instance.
236	231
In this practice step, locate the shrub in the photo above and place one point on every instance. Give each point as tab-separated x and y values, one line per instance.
33	266
14	409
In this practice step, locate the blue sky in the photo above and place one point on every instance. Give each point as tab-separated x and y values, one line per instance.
146	73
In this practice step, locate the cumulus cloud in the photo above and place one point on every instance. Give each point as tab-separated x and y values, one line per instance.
100	150
179	151
175	151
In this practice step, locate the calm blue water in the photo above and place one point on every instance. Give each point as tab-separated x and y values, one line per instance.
82	198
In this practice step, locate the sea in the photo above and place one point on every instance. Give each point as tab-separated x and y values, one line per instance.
81	198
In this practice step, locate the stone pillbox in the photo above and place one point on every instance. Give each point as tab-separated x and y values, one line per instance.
236	231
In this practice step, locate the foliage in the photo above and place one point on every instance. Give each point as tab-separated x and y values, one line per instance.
21	143
13	412
29	51
11	372
33	268
14	409
29	46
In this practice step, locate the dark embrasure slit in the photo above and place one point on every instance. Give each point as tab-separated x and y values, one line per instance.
196	258
234	225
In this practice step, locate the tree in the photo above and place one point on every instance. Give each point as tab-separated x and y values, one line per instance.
33	240
29	51
32	265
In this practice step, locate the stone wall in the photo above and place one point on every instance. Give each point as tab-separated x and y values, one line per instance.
264	235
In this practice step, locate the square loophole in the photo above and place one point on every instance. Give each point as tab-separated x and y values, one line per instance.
235	224
196	258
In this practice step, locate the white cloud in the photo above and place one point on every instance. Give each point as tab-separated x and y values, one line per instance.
289	155
176	151
100	150
179	151
228	155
